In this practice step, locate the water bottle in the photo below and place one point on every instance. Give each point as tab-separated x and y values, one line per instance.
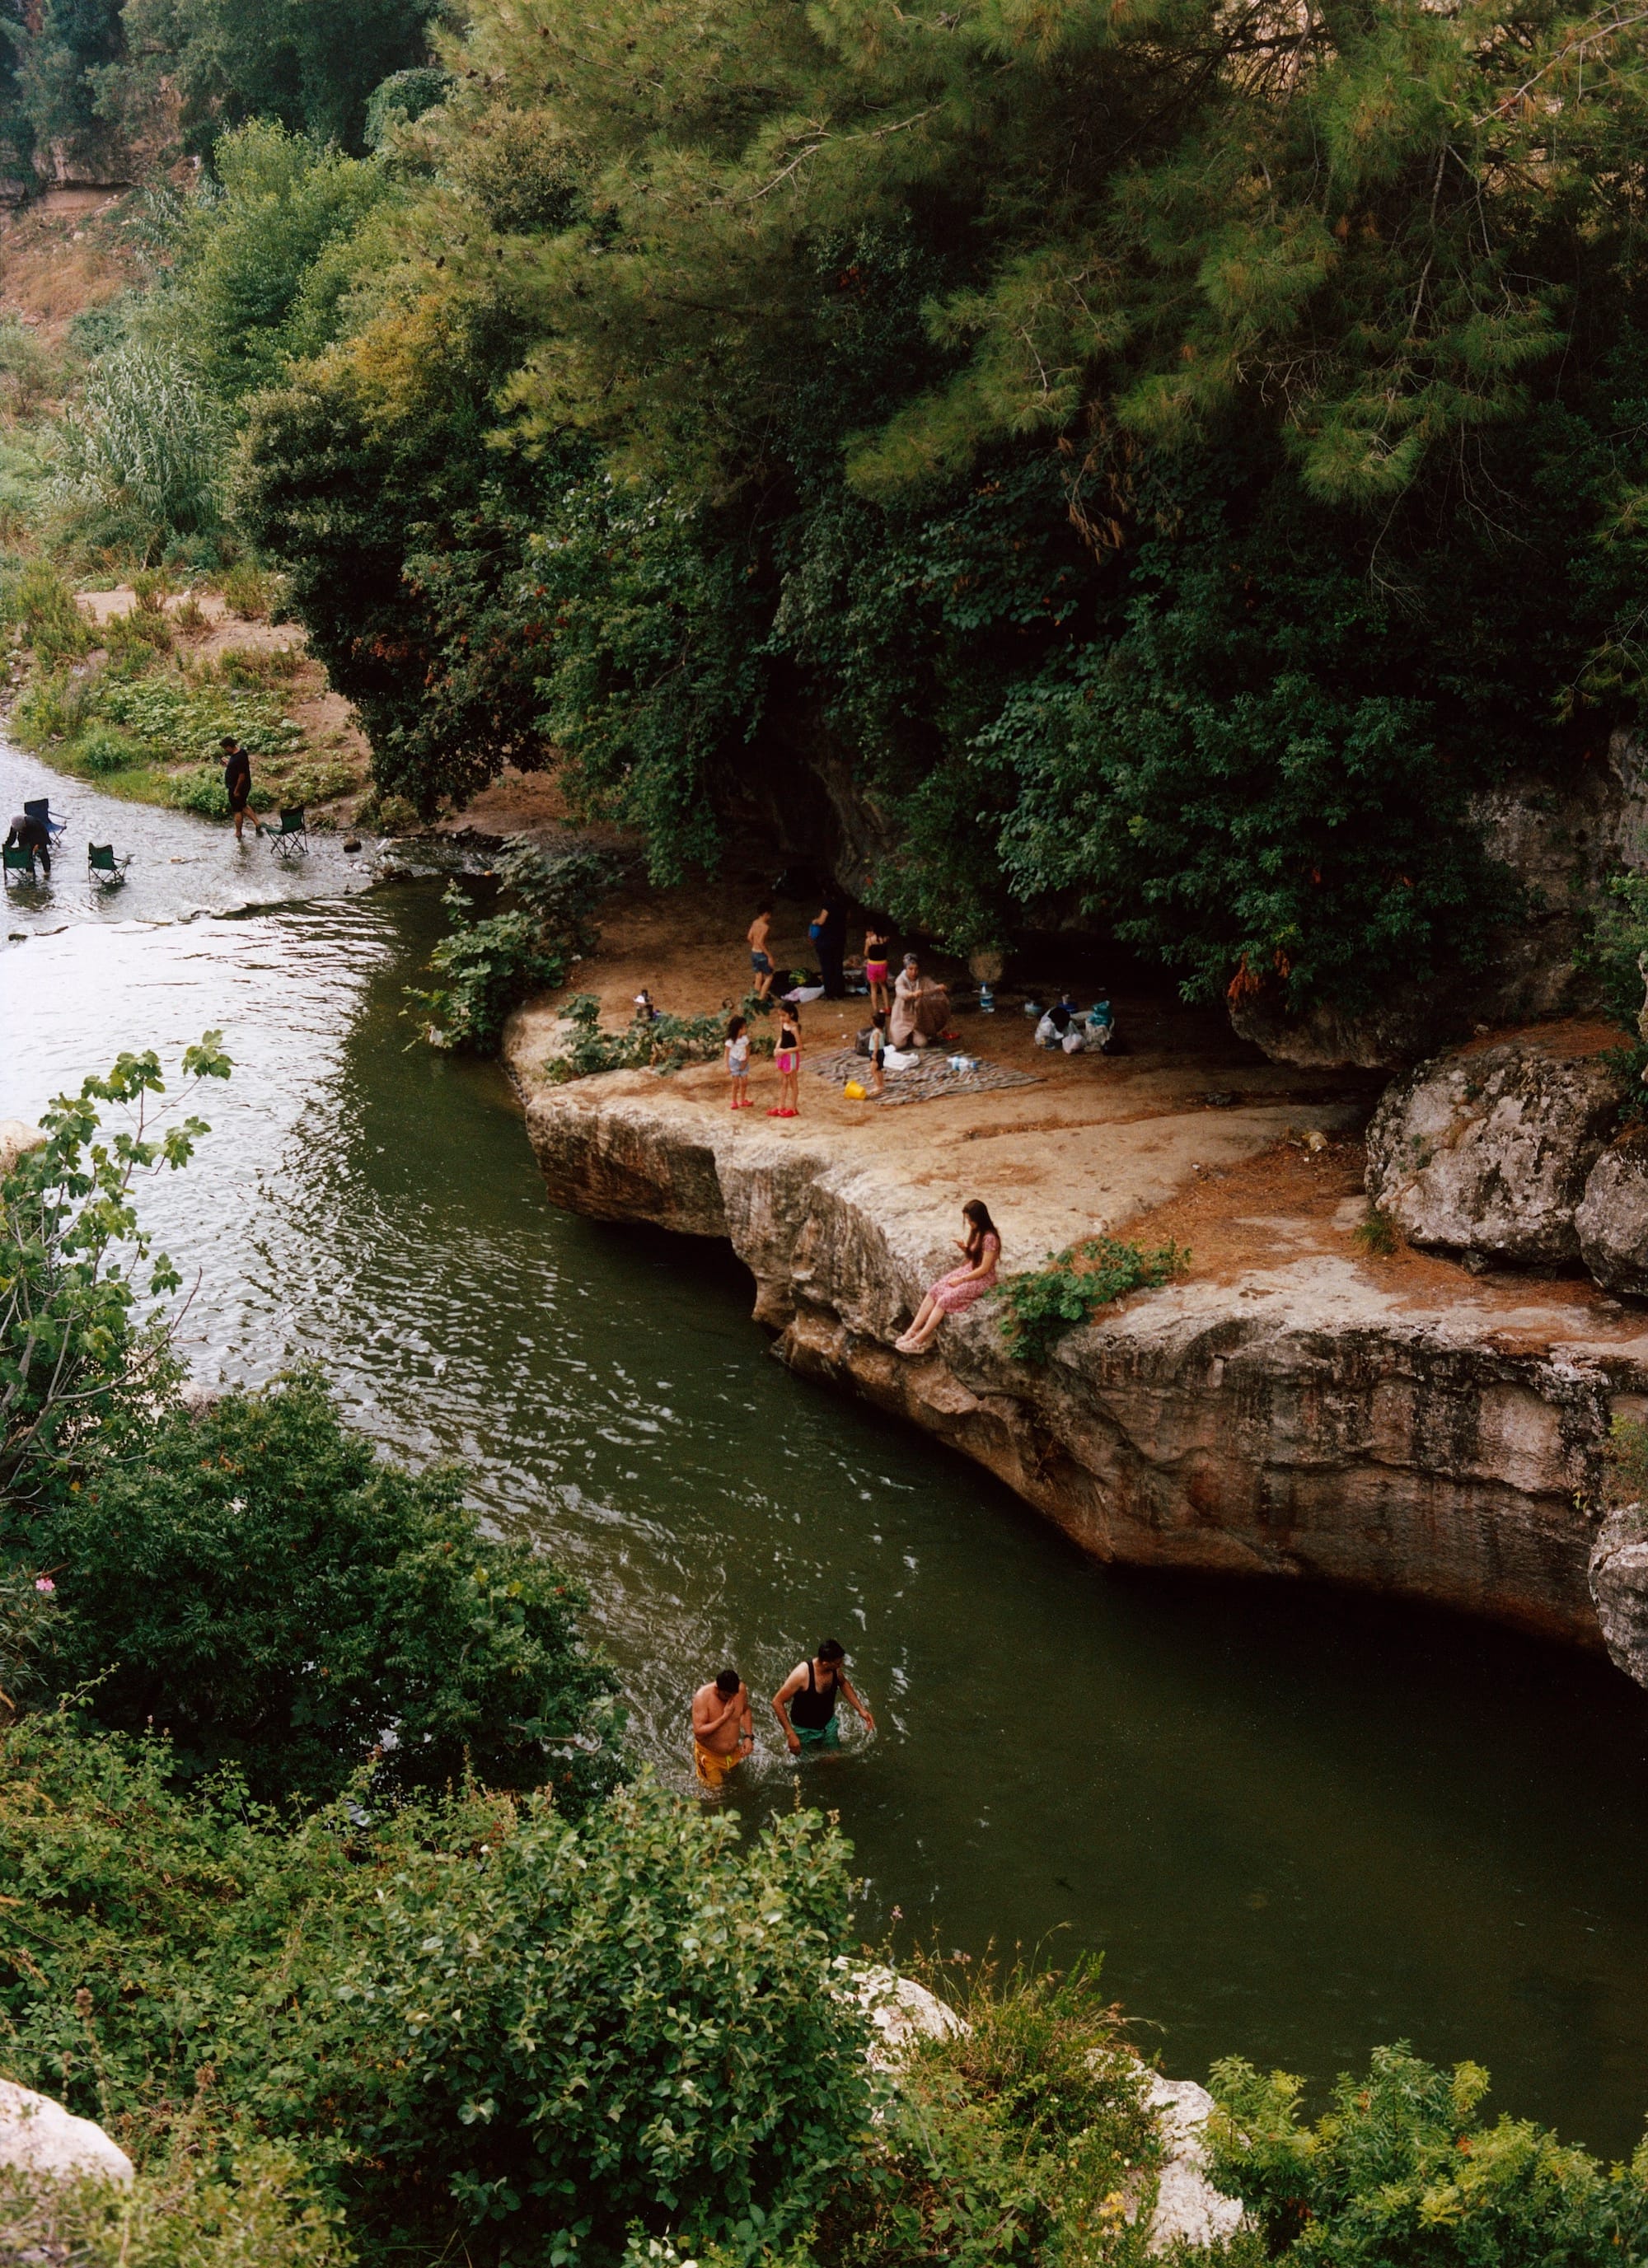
987	1001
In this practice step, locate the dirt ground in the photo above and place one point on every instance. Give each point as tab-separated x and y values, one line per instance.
1189	1136
66	252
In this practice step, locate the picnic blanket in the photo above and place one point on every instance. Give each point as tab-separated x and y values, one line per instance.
930	1080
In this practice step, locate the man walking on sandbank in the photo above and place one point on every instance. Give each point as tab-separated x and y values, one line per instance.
804	1705
723	1731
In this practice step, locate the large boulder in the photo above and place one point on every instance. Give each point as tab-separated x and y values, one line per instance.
42	2139
1611	1219
1188	2209
1488	1155
1618	1584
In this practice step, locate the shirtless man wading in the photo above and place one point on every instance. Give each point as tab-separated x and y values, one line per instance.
723	1731
804	1705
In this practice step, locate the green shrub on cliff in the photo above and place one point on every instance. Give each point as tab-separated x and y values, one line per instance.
1404	2169
1038	1307
662	1043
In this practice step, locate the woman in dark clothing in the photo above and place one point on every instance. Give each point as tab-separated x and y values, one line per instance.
237	784
828	932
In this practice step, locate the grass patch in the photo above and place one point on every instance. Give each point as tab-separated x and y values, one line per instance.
1038	1307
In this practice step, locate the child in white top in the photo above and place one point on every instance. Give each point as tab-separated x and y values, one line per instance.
738	1063
878	1049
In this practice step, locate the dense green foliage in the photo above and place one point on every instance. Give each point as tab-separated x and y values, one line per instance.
478	2020
280	1598
251	2209
1405	2168
1038	1306
1169	460
487	965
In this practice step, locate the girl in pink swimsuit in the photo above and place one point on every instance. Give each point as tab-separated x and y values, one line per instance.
875	968
787	1058
954	1294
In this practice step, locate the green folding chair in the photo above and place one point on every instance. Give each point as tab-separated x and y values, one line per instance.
103	867
18	861
291	835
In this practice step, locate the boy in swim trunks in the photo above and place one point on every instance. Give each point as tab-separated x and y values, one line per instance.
723	1731
760	958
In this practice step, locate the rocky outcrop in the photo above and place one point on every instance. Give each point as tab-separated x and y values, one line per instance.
1619	1584
1559	845
1303	1420
40	2139
1487	1155
1611	1218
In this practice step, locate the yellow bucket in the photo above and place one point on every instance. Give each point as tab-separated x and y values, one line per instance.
853	1091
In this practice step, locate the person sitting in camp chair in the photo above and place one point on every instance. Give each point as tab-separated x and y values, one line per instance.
33	836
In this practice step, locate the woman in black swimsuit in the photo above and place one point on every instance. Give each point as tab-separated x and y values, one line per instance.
237	784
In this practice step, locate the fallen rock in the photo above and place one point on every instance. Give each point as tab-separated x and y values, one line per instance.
16	1137
1618	1584
1188	2209
902	2012
1611	1219
42	2139
1487	1155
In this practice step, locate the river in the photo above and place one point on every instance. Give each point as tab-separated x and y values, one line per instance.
1296	1824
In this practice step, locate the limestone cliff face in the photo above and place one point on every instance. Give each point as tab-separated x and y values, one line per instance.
1301	1420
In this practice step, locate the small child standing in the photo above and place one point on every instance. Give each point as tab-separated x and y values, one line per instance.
878	1049
875	952
738	1062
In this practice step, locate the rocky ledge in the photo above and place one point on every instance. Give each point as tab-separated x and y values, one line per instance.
1295	1408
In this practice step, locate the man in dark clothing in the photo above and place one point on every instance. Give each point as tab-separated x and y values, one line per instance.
30	834
237	784
828	935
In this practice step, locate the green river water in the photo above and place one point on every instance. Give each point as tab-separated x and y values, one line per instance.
1297	1824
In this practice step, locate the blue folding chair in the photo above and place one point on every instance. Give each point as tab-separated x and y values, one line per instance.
40	809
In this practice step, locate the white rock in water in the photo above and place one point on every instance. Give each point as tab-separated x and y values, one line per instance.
17	1135
1188	2209
42	2138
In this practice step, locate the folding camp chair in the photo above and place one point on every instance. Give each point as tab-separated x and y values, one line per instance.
291	835
103	867
40	809
16	861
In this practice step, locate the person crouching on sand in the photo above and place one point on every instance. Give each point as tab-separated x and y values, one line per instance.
723	1731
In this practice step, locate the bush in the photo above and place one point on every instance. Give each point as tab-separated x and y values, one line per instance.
489	966
1038	1307
255	2212
255	667
203	791
54	706
44	607
147	442
1022	2139
481	2022
74	1260
664	1043
248	590
260	1583
581	2028
1405	2168
101	749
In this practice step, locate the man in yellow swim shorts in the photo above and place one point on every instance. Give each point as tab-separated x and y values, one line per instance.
723	1732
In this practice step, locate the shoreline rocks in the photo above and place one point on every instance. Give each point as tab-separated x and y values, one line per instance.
42	2139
